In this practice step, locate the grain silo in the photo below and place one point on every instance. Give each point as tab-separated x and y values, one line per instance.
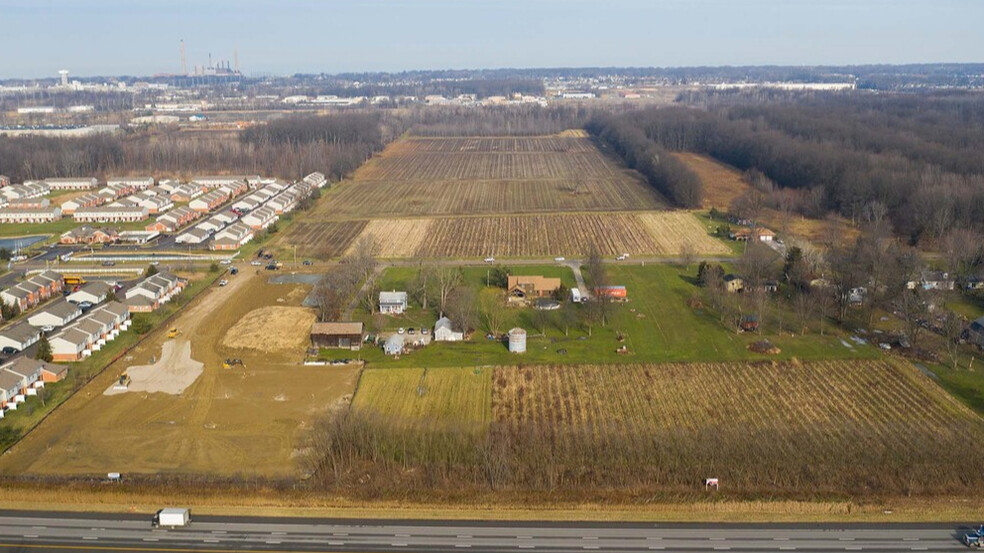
517	340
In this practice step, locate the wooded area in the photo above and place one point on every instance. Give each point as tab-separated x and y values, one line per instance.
289	148
913	158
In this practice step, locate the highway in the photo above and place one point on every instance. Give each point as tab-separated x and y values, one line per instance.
52	531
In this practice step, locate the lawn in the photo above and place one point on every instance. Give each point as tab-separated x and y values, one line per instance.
656	324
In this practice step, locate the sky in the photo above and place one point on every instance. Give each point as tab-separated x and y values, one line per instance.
280	37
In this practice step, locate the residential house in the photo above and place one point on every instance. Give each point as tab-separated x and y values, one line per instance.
232	237
111	214
394	344
137	183
209	201
154	291
93	292
29	215
37	370
20	296
19	336
32	189
210	225
260	218
89	235
72	183
212	181
975	333
156	204
71	344
346	335
318	180
226	216
29	203
58	313
192	236
11	392
234	189
247	203
444	331
283	202
393	302
521	288
187	192
173	220
932	280
69	207
115	191
733	283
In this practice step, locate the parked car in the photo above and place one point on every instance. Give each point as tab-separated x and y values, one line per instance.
620	258
226	262
255	263
272	267
47	328
424	331
223	282
411	331
559	259
308	262
233	271
259	253
108	263
8	350
400	331
490	259
85	305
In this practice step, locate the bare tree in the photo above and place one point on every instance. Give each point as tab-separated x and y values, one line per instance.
493	310
913	308
420	286
687	255
540	318
462	308
952	327
804	304
446	279
567	317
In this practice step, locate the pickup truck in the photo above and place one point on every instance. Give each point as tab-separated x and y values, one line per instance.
172	517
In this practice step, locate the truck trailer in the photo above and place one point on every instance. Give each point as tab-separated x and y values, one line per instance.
172	517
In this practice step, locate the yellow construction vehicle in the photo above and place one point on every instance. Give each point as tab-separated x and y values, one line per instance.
232	362
173	333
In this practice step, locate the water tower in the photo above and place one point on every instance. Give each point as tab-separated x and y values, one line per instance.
64	77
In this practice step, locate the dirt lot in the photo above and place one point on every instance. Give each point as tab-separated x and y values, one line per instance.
271	329
227	422
173	372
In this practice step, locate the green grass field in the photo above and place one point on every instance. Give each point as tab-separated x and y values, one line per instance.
657	325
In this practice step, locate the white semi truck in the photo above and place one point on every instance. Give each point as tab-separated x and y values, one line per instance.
172	517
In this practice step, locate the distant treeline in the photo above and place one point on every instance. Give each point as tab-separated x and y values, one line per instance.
291	148
915	158
663	171
521	120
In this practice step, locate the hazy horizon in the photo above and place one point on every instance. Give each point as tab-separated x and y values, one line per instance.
112	37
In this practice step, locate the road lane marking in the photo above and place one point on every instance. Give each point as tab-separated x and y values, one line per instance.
403	535
151	539
30	535
219	532
780	539
279	533
589	538
336	543
590	547
210	540
90	537
273	542
462	545
40	527
846	539
910	539
464	537
398	544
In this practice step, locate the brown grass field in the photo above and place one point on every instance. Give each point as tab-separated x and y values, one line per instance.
853	427
227	422
398	237
453	176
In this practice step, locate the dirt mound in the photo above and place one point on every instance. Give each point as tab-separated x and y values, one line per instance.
271	329
764	346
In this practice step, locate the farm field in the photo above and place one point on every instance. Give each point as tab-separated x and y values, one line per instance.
419	398
657	233
455	176
243	420
807	427
321	239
